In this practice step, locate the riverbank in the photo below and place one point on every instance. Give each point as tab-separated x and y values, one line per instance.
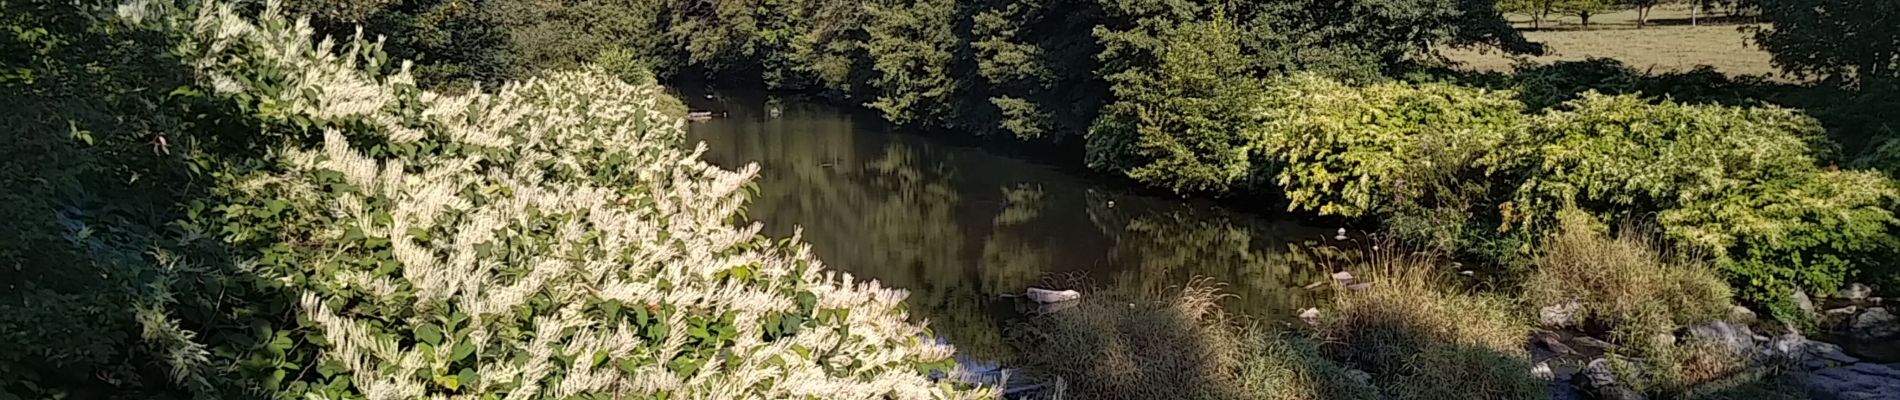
1398	327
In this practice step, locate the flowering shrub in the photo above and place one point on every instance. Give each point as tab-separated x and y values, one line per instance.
548	239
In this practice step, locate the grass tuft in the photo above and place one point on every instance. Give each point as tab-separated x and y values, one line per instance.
1422	339
1624	283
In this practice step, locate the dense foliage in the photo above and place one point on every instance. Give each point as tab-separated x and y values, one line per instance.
1842	40
1039	69
547	239
1471	171
1742	184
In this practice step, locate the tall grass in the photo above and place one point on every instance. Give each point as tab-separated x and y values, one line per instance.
1639	294
1175	345
1625	284
1421	338
1131	346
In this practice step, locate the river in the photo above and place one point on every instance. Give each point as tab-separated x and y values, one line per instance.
961	227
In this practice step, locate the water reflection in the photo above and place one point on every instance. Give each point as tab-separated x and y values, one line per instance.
960	227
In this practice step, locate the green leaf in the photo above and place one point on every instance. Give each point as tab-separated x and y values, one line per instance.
462	351
429	333
467	376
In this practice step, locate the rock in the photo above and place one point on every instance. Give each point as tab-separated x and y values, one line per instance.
1855	292
1052	296
1542	371
1342	277
1875	324
1741	315
1736	337
1056	307
1808	353
1555	345
1837	316
1563	390
1310	315
1559	316
1803	302
1600	379
1360	287
1359	376
1856	382
1593	343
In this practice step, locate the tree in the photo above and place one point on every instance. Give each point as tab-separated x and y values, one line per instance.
1538	10
912	48
1583	9
1642	8
1847	41
1179	123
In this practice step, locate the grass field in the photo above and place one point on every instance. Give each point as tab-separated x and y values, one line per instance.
1670	42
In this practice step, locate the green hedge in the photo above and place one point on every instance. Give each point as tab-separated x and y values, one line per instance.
1740	184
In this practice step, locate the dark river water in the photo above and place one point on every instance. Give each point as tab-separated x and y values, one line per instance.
960	227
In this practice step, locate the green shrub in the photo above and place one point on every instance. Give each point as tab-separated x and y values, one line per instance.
1740	184
1420	339
1343	150
548	239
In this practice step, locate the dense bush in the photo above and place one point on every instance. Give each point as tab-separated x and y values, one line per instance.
1741	184
548	239
1343	150
110	291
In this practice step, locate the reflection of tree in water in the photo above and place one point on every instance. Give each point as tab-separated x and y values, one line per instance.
884	210
1159	249
959	228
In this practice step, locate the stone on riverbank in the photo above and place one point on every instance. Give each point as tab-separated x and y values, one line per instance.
1737	338
1560	316
1600	379
1876	323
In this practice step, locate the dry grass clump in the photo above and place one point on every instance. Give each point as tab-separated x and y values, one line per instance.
1176	345
1113	346
1422	339
1624	283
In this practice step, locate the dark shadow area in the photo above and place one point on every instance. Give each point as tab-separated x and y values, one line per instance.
118	282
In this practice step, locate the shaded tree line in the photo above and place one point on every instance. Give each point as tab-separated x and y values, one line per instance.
1036	70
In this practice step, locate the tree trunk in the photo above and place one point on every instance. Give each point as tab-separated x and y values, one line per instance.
1642	17
1695	10
1585	16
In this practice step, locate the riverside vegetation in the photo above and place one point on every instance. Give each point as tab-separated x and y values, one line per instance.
217	200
